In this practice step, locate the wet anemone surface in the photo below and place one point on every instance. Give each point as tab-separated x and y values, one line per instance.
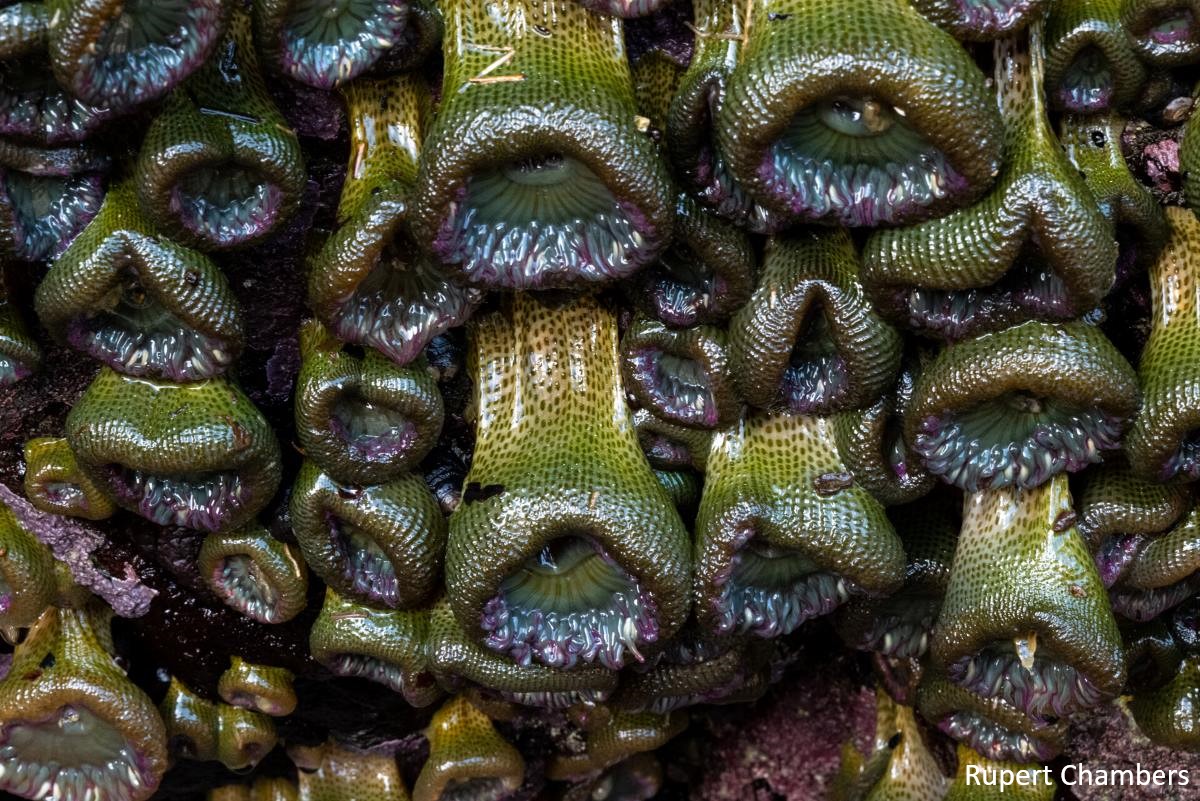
993	740
1037	684
543	221
571	604
203	501
1015	440
71	754
683	288
676	384
45	213
372	432
1145	605
1184	463
815	377
858	162
772	591
1087	85
33	106
326	44
364	565
227	203
244	585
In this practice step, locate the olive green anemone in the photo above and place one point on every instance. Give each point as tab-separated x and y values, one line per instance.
536	173
264	788
1163	572
323	44
720	29
381	544
386	647
900	626
990	726
1189	160
27	580
871	442
219	166
457	658
1170	715
55	484
1165	33
195	455
1093	144
1090	64
20	355
899	766
856	112
681	375
1035	247
622	736
34	107
72	725
261	688
370	283
783	533
468	760
1025	617
122	53
251	571
363	419
671	447
808	341
971	783
981	20
41	214
638	778
1015	407
1164	442
1119	511
696	669
565	549
202	730
335	772
138	302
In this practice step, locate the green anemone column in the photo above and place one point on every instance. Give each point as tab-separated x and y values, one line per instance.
327	44
261	688
370	283
55	484
1189	159
978	779
565	550
621	736
1170	715
1091	65
899	767
783	533
251	571
1035	247
138	302
336	772
1160	573
122	53
219	166
808	341
20	355
468	759
1165	33
196	455
41	214
536	172
856	112
74	726
1164	442
27	574
203	730
1026	618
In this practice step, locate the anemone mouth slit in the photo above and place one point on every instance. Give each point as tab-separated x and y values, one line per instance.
902	630
403	302
226	203
856	161
721	191
1115	556
1028	290
770	591
370	668
146	46
371	432
557	700
1175	27
325	44
992	740
1088	84
1017	439
72	754
541	221
815	378
683	288
1049	687
1184	462
135	334
676	385
246	587
204	501
571	603
1142	606
48	212
365	567
34	107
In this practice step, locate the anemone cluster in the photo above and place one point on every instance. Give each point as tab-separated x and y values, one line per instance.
620	373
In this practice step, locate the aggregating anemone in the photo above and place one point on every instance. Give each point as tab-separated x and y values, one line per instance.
489	401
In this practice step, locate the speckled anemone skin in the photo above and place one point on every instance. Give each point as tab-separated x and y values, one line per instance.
596	400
